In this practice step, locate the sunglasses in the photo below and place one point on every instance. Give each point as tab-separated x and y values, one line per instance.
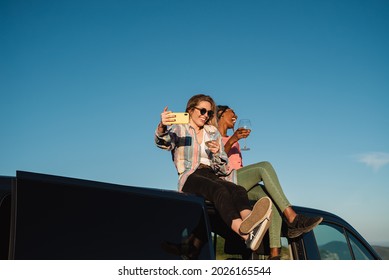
203	111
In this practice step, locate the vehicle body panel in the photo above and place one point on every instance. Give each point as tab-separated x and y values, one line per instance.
52	217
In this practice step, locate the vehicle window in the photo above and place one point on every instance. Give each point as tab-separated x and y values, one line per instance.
360	251
332	243
221	255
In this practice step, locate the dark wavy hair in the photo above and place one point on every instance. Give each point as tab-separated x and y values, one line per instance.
221	109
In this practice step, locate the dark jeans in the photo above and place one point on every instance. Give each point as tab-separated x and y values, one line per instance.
229	199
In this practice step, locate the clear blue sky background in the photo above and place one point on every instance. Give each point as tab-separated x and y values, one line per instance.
83	84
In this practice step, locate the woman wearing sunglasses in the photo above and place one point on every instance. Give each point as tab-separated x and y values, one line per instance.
251	175
202	168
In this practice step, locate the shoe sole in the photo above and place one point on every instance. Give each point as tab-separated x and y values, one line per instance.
265	224
304	230
261	209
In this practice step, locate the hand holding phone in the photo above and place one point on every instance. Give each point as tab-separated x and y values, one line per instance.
180	118
169	117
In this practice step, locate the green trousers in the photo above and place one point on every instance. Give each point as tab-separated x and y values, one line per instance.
249	177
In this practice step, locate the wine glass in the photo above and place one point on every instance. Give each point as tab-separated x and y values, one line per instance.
210	136
246	124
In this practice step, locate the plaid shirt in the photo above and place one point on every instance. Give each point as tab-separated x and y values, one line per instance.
181	140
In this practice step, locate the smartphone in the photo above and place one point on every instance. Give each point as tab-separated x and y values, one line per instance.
181	118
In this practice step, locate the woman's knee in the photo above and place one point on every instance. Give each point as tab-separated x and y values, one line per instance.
266	165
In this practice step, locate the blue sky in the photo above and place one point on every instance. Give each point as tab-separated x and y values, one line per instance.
83	84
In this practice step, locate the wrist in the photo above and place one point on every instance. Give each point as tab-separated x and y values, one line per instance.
161	128
234	139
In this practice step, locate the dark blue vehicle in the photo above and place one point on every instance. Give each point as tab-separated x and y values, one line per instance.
45	217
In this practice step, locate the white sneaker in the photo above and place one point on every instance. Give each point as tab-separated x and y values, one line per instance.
257	234
261	211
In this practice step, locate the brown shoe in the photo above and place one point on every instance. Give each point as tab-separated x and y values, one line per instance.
302	224
261	211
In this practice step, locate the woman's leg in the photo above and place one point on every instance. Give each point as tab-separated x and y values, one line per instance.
250	175
223	194
276	219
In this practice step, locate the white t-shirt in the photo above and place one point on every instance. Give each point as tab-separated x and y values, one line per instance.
206	154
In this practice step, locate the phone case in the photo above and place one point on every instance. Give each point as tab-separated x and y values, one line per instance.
181	118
